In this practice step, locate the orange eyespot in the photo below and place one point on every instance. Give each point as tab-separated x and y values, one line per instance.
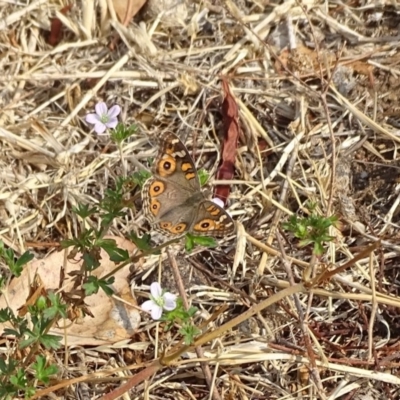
156	188
154	206
178	228
205	225
166	166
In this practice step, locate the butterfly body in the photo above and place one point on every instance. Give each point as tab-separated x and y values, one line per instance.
172	199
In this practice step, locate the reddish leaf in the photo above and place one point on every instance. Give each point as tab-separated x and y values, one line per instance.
55	35
230	115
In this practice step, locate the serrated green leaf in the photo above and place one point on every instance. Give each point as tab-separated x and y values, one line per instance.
91	286
51	341
142	243
91	263
24	259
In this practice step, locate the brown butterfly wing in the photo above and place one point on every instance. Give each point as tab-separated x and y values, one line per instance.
212	220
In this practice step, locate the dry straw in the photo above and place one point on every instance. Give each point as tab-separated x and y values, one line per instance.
308	78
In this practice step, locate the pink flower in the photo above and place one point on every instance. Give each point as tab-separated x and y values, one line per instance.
104	117
218	202
159	301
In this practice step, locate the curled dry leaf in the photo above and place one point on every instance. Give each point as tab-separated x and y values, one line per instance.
111	321
230	115
127	9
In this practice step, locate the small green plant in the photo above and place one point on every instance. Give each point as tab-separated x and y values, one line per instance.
19	377
122	132
184	319
312	229
167	307
15	265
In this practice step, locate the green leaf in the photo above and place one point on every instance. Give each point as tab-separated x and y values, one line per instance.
122	132
112	203
179	314
205	241
42	372
84	210
192	311
91	262
318	249
140	177
203	176
105	285
90	287
6	314
189	332
8	256
24	259
41	303
56	308
8	392
305	242
189	243
93	285
32	338
115	253
8	368
143	243
51	341
12	332
19	379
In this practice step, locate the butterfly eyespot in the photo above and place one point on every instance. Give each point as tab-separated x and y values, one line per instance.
154	206
156	188
166	166
178	228
205	225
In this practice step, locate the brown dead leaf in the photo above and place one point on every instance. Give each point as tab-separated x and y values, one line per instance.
113	320
127	9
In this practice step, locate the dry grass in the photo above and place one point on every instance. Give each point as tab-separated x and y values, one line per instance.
317	85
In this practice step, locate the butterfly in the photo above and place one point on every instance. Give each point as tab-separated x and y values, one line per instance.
173	201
